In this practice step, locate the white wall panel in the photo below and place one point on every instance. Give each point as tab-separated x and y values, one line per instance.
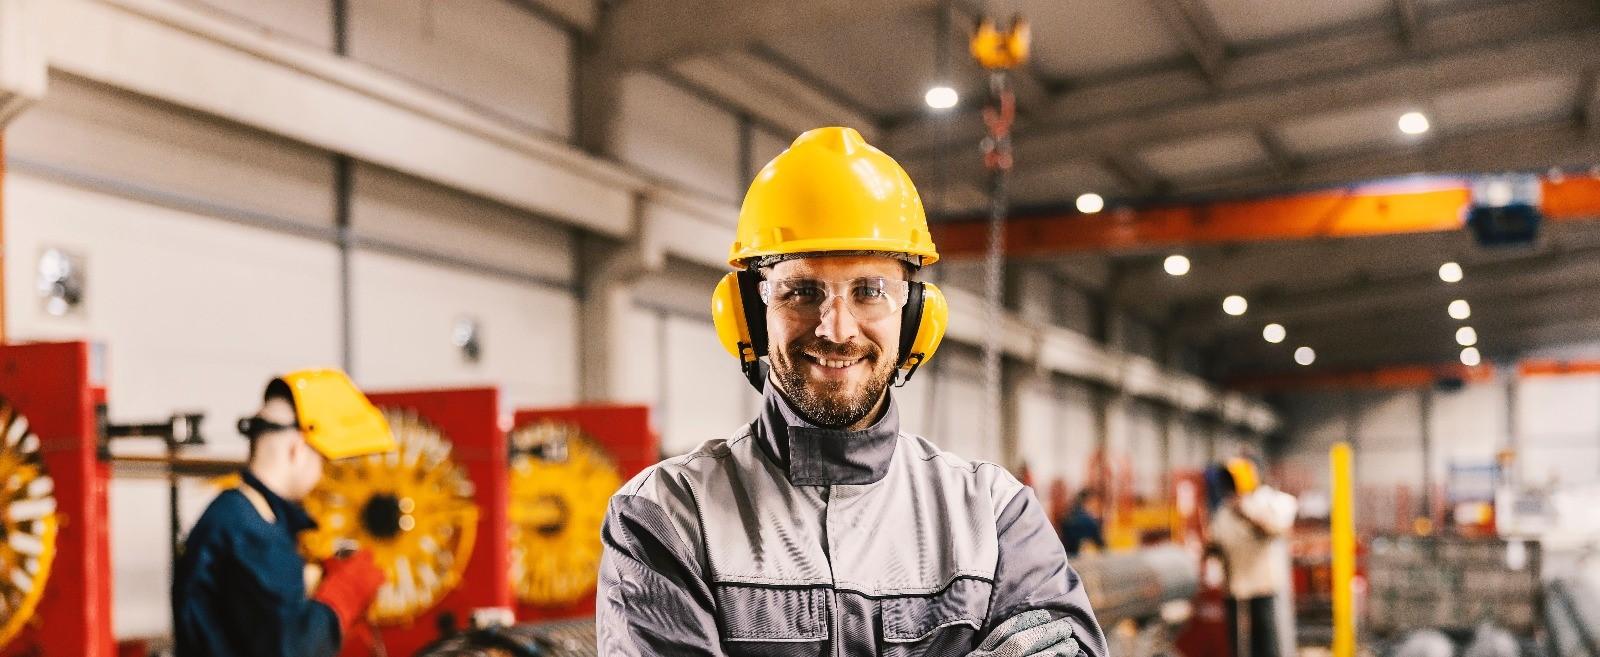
706	396
306	21
1390	419
1558	429
1146	450
958	427
90	130
1551	407
403	313
195	314
407	211
489	53
1039	439
1079	437
1469	426
676	136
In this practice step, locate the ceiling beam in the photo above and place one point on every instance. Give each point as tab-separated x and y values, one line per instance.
761	88
1536	147
1589	100
1284	162
1363	298
646	32
1133	173
1193	25
1465	47
1409	14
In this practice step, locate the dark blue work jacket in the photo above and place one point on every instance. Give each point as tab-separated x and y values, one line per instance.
239	588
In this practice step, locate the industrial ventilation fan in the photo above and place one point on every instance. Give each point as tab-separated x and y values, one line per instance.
561	481
413	508
28	523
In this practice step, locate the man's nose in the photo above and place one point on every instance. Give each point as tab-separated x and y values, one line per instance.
837	324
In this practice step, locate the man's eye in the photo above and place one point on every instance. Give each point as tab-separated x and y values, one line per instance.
803	293
869	293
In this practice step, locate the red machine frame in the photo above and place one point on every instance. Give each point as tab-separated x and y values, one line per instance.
60	388
623	431
469	418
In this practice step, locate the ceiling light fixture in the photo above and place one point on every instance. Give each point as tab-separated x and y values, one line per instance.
941	97
1235	305
1413	123
1274	333
1450	272
1305	355
1176	265
1459	309
1090	203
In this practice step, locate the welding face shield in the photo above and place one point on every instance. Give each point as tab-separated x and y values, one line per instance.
337	420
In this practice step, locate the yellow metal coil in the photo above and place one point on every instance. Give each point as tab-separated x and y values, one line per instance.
28	516
413	508
561	482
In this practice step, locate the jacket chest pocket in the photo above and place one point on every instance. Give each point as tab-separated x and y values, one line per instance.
758	620
943	623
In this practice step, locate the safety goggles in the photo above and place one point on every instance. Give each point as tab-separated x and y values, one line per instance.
256	426
869	298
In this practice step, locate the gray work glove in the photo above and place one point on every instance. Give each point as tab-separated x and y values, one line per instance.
1030	634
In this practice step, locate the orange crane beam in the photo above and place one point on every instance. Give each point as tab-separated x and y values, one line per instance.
1534	368
1399	377
1434	206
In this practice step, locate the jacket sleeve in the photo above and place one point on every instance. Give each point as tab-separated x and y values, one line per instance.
268	599
1033	573
653	598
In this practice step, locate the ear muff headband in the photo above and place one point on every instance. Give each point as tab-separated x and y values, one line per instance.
910	325
755	312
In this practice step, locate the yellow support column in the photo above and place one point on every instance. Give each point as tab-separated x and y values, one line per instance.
1344	553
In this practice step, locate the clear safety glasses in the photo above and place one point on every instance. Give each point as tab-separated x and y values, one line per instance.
869	298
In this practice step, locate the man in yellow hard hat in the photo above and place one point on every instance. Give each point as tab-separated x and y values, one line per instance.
239	587
820	528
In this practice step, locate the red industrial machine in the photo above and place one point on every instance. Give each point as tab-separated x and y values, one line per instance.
433	512
56	590
566	463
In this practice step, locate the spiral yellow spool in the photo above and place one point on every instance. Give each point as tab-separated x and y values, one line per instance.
28	523
413	508
561	482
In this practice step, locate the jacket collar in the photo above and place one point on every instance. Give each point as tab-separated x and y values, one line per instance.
815	456
290	515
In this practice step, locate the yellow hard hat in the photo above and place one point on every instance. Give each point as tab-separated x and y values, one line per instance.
831	191
336	418
1245	477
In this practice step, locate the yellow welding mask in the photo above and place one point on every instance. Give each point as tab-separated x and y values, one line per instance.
336	418
830	193
1245	476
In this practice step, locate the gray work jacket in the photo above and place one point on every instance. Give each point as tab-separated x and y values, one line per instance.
788	539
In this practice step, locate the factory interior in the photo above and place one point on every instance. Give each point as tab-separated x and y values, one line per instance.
1340	253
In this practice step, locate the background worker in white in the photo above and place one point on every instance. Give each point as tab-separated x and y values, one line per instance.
1250	530
820	528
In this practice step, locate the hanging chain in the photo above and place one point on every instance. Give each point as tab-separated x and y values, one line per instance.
997	158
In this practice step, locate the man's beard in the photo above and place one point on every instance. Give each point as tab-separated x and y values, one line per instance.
831	404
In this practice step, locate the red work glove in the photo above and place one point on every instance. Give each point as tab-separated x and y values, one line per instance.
348	587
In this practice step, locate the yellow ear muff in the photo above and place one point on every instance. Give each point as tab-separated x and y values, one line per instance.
727	313
741	317
923	323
